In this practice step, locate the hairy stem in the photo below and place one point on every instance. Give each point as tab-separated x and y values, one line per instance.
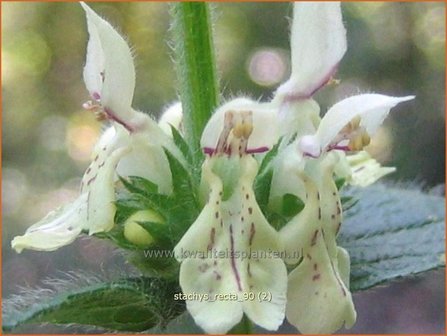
196	69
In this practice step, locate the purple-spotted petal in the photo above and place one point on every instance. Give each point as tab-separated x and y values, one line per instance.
318	301
225	257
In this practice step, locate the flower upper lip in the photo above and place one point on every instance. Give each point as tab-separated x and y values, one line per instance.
109	72
318	43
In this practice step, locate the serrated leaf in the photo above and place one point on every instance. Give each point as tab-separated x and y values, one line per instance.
193	160
159	231
143	184
181	180
135	185
182	145
392	233
131	305
184	201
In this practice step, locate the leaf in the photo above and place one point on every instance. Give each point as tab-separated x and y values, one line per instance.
263	180
185	206
159	231
181	180
182	145
179	209
291	205
392	233
340	182
132	305
143	184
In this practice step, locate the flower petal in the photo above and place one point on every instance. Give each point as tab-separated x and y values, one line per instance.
59	228
99	179
318	42
264	120
94	64
173	116
344	265
322	209
365	170
217	254
101	195
298	118
145	157
330	210
372	109
301	228
213	314
148	160
108	53
318	302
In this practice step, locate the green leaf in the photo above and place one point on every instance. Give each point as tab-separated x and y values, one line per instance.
196	68
183	187
179	210
143	184
182	145
263	180
340	182
392	233
131	305
159	231
291	205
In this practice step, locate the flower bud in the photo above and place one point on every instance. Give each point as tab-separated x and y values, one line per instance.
135	233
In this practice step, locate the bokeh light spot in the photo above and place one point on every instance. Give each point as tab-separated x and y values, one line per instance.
267	67
29	54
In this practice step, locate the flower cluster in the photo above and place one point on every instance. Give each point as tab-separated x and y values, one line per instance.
307	281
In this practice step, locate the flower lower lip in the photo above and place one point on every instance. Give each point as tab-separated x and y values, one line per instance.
211	151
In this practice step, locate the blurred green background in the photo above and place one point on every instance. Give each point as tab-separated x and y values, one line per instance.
394	48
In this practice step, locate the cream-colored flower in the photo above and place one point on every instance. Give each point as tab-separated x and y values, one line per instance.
133	145
230	248
313	148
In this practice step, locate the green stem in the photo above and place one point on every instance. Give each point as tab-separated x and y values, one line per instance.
196	69
244	327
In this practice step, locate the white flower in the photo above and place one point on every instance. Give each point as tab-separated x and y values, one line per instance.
172	117
318	299
349	124
263	123
318	43
225	251
364	170
133	145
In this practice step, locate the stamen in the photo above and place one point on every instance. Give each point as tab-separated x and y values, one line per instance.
333	81
242	131
359	141
102	113
355	135
222	146
238	126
